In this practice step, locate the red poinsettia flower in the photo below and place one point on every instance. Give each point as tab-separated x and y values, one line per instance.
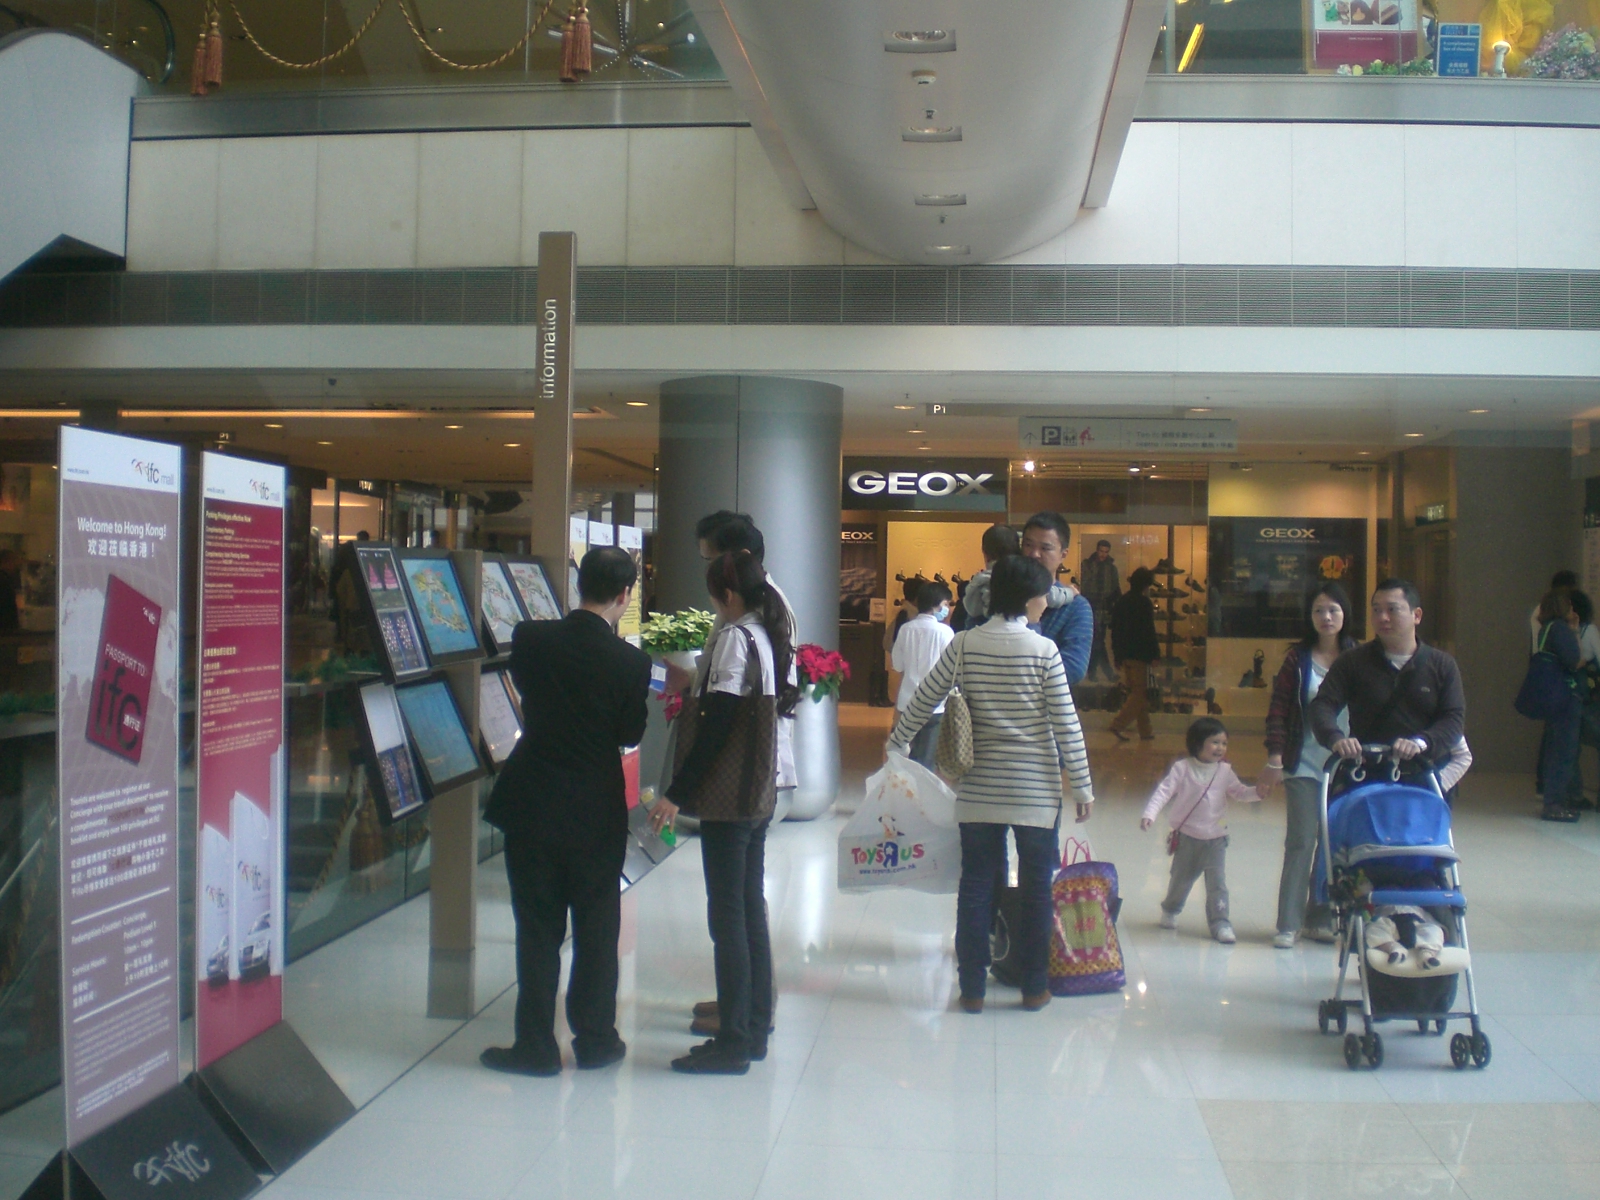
822	672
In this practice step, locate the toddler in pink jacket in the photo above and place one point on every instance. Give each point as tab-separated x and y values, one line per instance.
1198	789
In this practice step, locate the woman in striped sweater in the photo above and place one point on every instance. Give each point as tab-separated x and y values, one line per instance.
1025	739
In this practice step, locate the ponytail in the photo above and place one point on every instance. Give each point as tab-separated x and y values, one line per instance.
740	572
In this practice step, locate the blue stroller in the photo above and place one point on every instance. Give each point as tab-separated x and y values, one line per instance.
1387	845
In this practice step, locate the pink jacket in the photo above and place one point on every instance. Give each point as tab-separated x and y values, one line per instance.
1197	801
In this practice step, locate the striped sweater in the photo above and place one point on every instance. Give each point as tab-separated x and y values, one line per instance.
1024	726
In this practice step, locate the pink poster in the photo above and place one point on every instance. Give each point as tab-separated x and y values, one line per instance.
239	901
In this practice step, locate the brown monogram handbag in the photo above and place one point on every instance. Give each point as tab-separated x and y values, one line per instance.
742	784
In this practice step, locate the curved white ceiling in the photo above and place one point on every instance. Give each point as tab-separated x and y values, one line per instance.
1026	87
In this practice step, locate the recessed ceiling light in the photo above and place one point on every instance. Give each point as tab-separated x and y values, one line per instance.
1364	453
1413	435
1199	410
511	445
940	199
920	41
324	443
452	427
637	403
924	78
947	249
1028	465
274	425
1477	412
1133	470
905	407
931	133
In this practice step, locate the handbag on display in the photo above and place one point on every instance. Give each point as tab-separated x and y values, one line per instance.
953	753
1085	955
1548	688
742	783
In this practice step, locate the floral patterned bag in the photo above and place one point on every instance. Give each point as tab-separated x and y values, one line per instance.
1085	955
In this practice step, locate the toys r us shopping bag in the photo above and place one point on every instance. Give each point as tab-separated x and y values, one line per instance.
1085	956
904	835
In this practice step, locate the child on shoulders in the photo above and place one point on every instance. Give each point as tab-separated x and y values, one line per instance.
1198	789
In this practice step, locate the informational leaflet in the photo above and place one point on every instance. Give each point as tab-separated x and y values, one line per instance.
240	764
631	539
117	764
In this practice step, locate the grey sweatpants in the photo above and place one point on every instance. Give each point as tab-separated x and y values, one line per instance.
1194	859
1303	832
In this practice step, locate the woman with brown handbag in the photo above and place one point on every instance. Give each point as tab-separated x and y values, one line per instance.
725	776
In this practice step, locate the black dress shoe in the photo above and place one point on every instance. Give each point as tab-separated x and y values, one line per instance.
712	1061
512	1062
758	1050
593	1060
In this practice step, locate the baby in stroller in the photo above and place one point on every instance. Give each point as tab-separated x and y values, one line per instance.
1398	931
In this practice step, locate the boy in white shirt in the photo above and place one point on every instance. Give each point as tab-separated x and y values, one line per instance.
916	650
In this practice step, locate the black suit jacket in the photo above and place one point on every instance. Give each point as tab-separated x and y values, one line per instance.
583	696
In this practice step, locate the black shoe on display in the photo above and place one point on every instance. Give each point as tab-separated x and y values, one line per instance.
511	1061
712	1059
594	1060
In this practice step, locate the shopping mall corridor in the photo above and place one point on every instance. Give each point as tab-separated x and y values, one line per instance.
1207	1078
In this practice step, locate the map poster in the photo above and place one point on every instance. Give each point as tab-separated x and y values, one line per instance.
117	771
239	892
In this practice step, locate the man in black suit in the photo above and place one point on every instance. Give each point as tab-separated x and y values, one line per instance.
560	801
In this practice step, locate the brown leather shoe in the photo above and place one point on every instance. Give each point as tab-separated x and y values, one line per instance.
706	1008
972	1004
1035	1002
706	1026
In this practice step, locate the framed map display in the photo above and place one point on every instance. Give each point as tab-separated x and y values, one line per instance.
440	604
502	611
533	586
499	718
395	623
440	735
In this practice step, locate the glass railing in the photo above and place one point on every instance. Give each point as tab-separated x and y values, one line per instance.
1536	39
279	44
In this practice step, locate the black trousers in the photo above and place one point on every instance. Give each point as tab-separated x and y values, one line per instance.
547	879
734	855
1098	654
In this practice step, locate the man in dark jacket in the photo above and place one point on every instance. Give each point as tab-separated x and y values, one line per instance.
562	804
1102	586
1401	692
1134	646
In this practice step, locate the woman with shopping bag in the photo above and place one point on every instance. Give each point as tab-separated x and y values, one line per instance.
1026	747
726	756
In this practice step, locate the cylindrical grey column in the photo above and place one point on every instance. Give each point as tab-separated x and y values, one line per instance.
768	447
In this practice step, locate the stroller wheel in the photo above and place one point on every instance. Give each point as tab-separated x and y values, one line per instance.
1480	1050
1373	1049
1342	1017
1438	1027
1352	1051
1322	1016
1422	1024
1460	1051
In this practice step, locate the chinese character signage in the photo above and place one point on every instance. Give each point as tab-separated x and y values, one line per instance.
1142	435
239	897
117	700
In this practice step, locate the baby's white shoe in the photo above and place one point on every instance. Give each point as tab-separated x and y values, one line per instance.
1168	920
1285	941
1224	933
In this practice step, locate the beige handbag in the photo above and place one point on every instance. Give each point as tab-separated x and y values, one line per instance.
953	754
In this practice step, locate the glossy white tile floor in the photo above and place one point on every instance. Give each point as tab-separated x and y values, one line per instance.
1206	1079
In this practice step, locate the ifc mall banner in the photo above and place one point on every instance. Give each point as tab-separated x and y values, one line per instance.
117	767
239	892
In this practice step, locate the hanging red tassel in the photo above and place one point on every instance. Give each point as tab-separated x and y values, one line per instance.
577	39
214	52
197	75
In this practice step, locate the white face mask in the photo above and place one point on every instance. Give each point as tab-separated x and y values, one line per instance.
943	612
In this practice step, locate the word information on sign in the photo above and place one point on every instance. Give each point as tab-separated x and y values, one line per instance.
1128	434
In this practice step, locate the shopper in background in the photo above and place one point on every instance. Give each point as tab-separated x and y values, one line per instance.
998	541
1562	582
1562	732
1134	647
904	610
1588	692
12	565
725	778
915	651
1046	538
1294	756
1401	692
1026	747
1102	585
562	804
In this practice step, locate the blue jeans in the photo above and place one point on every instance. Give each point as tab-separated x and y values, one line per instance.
983	852
1560	757
733	854
926	743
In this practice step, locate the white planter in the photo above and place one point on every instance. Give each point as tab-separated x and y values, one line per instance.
816	757
686	660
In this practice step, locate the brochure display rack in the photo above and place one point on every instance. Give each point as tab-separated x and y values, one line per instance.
440	606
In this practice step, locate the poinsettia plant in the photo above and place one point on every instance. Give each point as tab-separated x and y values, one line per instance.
665	633
822	672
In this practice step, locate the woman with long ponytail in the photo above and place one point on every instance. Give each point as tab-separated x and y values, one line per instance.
726	776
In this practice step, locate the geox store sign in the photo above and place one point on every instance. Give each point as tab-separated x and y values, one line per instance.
966	485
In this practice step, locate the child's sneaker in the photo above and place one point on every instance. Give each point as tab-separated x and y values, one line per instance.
1285	941
1224	933
1168	920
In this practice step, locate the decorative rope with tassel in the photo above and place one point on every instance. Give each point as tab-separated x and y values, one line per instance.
577	43
483	66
